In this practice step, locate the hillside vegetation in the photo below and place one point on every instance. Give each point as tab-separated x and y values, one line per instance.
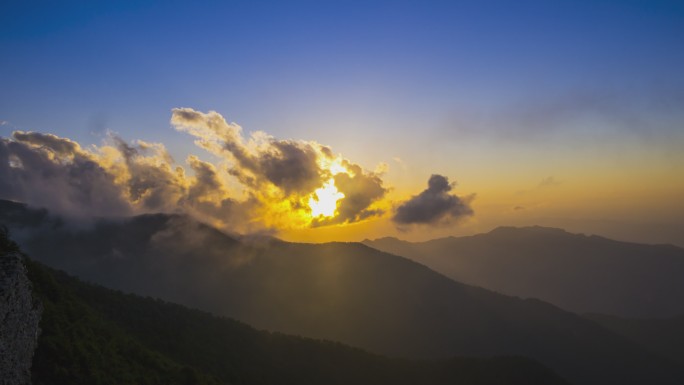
664	336
94	335
344	292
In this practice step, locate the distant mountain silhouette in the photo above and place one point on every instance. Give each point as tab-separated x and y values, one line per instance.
345	292
93	335
664	336
583	274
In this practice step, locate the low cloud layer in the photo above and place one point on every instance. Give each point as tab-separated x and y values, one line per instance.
433	206
260	183
56	173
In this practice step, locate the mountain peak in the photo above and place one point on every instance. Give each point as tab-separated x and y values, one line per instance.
527	230
383	239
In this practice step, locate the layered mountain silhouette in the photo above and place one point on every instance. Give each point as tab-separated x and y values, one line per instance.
93	335
345	292
583	274
664	336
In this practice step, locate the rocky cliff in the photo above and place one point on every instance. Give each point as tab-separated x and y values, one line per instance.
19	318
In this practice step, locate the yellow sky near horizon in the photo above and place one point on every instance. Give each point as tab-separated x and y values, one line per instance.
634	197
302	190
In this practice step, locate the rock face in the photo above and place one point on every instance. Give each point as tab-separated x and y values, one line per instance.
19	318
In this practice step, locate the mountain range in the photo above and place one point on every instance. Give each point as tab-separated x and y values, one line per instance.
91	335
345	292
583	274
664	336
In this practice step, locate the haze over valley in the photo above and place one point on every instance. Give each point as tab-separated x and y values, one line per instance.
347	192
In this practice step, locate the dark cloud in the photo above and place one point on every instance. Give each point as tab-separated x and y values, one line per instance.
360	191
207	197
260	183
207	182
117	179
153	184
291	166
187	115
433	206
47	171
53	143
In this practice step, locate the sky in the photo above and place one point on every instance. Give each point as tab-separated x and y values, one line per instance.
429	118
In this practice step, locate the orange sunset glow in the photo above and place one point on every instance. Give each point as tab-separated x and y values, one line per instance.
342	192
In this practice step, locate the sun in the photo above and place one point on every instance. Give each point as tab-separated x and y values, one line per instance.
323	201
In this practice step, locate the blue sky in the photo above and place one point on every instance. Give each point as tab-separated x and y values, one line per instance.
277	66
460	86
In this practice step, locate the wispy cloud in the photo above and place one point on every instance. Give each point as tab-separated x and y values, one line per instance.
585	114
549	181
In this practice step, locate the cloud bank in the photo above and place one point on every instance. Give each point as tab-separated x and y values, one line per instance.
259	183
433	206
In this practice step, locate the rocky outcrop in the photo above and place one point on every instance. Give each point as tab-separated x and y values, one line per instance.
19	318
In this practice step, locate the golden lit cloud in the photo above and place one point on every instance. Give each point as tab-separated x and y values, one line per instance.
260	183
323	202
296	183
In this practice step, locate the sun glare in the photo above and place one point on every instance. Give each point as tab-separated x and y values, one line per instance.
323	201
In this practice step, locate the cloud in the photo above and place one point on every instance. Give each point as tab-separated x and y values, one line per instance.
286	171
60	146
361	189
587	114
291	166
49	171
400	162
381	168
433	206
259	184
150	180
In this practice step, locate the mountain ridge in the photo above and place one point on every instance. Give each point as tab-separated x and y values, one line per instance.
507	229
93	335
203	348
346	292
664	336
580	273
